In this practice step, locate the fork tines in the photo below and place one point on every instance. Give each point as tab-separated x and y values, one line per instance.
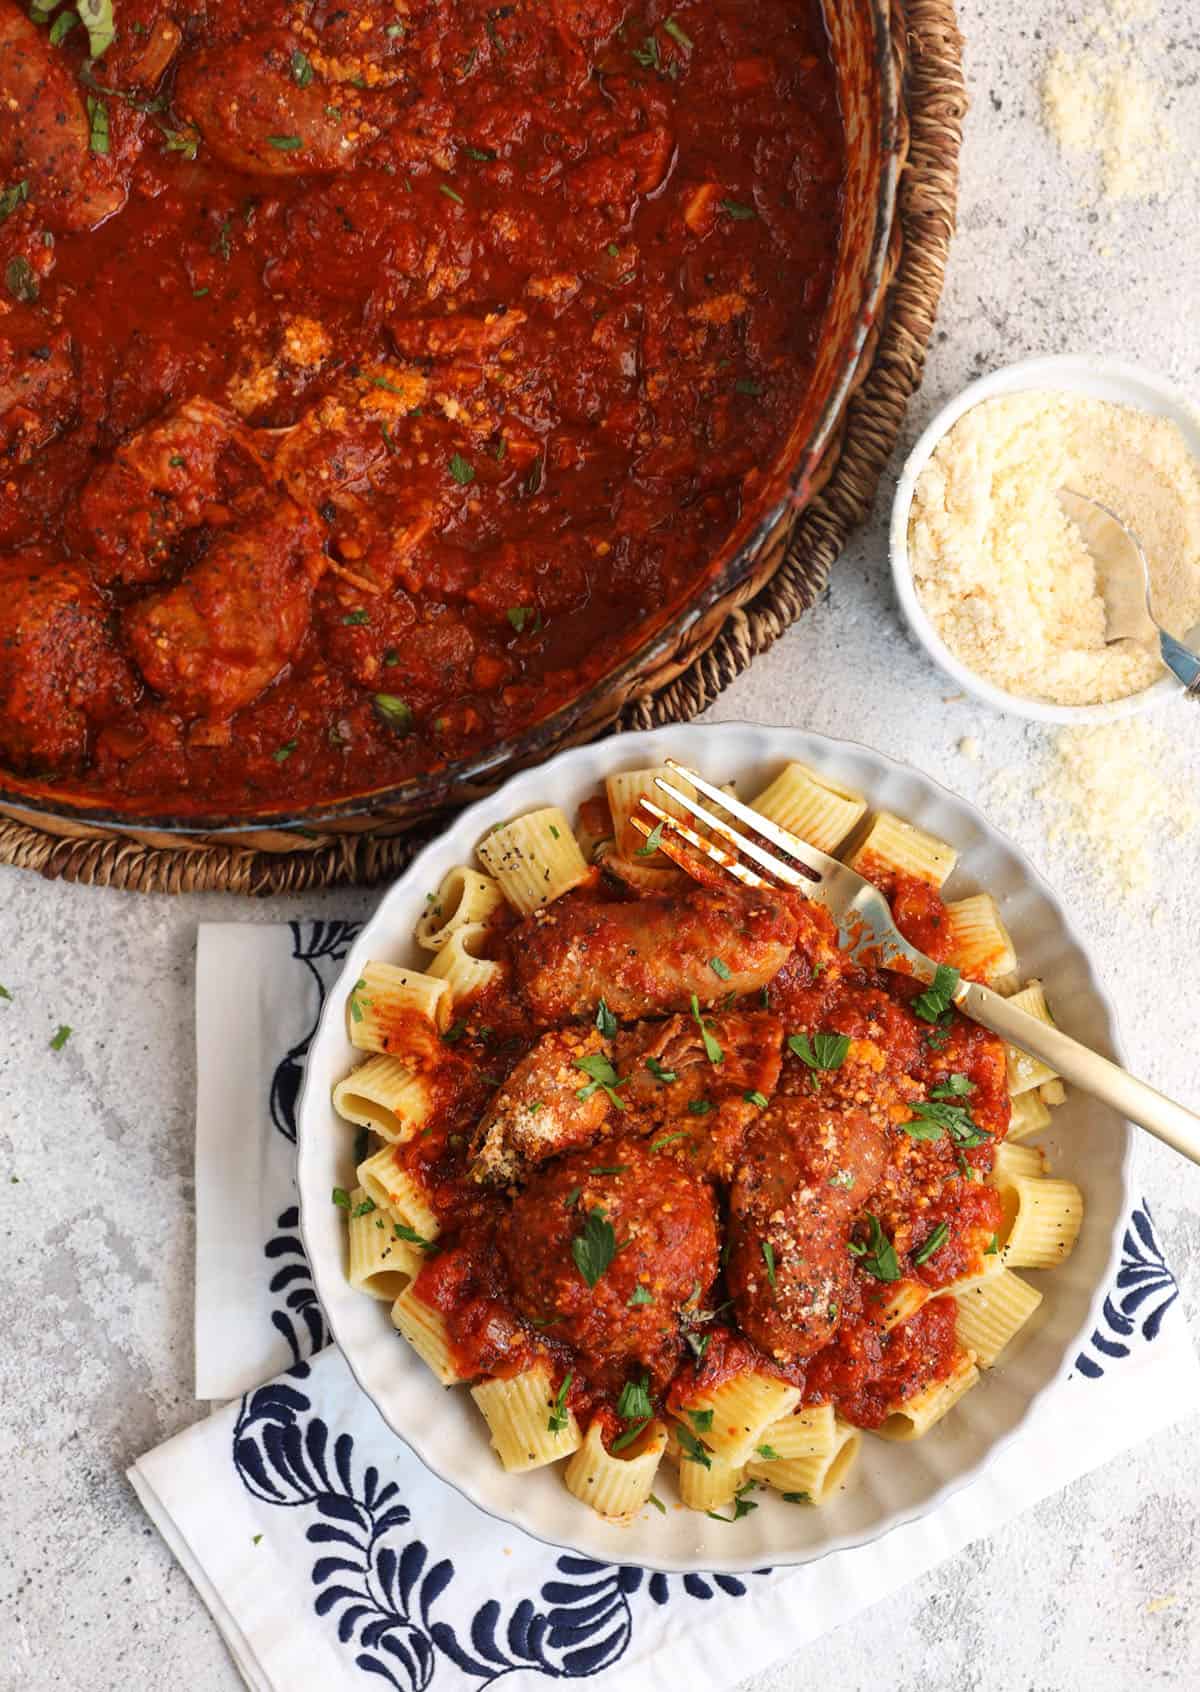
708	849
788	874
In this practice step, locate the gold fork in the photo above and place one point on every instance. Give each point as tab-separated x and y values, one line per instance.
868	931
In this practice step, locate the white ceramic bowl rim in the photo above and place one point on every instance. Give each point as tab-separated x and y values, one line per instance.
329	1277
1110	379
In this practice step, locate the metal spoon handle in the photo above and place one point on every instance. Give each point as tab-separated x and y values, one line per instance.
1162	1117
1181	662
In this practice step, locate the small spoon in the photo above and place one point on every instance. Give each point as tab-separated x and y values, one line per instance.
1124	583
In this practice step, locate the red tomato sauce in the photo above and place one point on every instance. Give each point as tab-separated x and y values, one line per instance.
369	382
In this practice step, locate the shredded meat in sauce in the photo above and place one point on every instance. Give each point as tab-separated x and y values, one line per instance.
371	379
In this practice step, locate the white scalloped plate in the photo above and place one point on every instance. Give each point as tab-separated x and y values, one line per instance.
892	1484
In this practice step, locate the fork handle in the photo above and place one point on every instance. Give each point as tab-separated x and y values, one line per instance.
1151	1110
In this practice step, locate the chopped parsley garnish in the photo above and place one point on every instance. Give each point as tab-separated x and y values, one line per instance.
595	1248
841	1178
658	1504
5	994
602	1075
364	1208
720	968
395	31
177	461
820	1051
301	69
62	26
757	1098
993	1247
630	1434
403	1232
744	385
451	193
20	279
878	1256
98	138
519	615
768	1453
12	197
571	1197
665	1076
356	617
341	1197
285	143
932	1120
935	1242
606	1022
796	1497
61	1036
699	1107
463	473
937	998
768	1257
396	712
953	1087
677	33
738	212
282	753
454	1032
634	1403
691	1447
701	1420
608	1169
936	1037
356	1004
97	19
647	55
653	842
558	1410
742	1505
613	250
712	1048
485	155
640	1295
697	1345
669	1139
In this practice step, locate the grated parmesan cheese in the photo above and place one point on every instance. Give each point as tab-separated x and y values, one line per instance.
1006	578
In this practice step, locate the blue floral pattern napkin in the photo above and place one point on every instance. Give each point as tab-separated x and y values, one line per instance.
331	1558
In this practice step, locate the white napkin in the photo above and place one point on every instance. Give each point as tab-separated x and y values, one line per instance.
327	1552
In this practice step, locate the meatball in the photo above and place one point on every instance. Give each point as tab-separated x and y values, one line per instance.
60	670
602	1249
807	1168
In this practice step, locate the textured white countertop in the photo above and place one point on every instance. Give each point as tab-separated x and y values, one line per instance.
1098	1588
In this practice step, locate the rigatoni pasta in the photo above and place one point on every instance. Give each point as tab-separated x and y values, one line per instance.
535	859
814	807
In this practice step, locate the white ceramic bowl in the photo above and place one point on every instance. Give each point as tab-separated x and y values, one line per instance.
1098	378
893	1483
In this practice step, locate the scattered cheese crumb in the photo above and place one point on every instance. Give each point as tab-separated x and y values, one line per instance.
1004	575
969	747
1111	795
1154	1606
1097	102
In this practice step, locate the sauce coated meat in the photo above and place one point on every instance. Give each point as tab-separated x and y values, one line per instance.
806	1169
375	378
653	1198
652	955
